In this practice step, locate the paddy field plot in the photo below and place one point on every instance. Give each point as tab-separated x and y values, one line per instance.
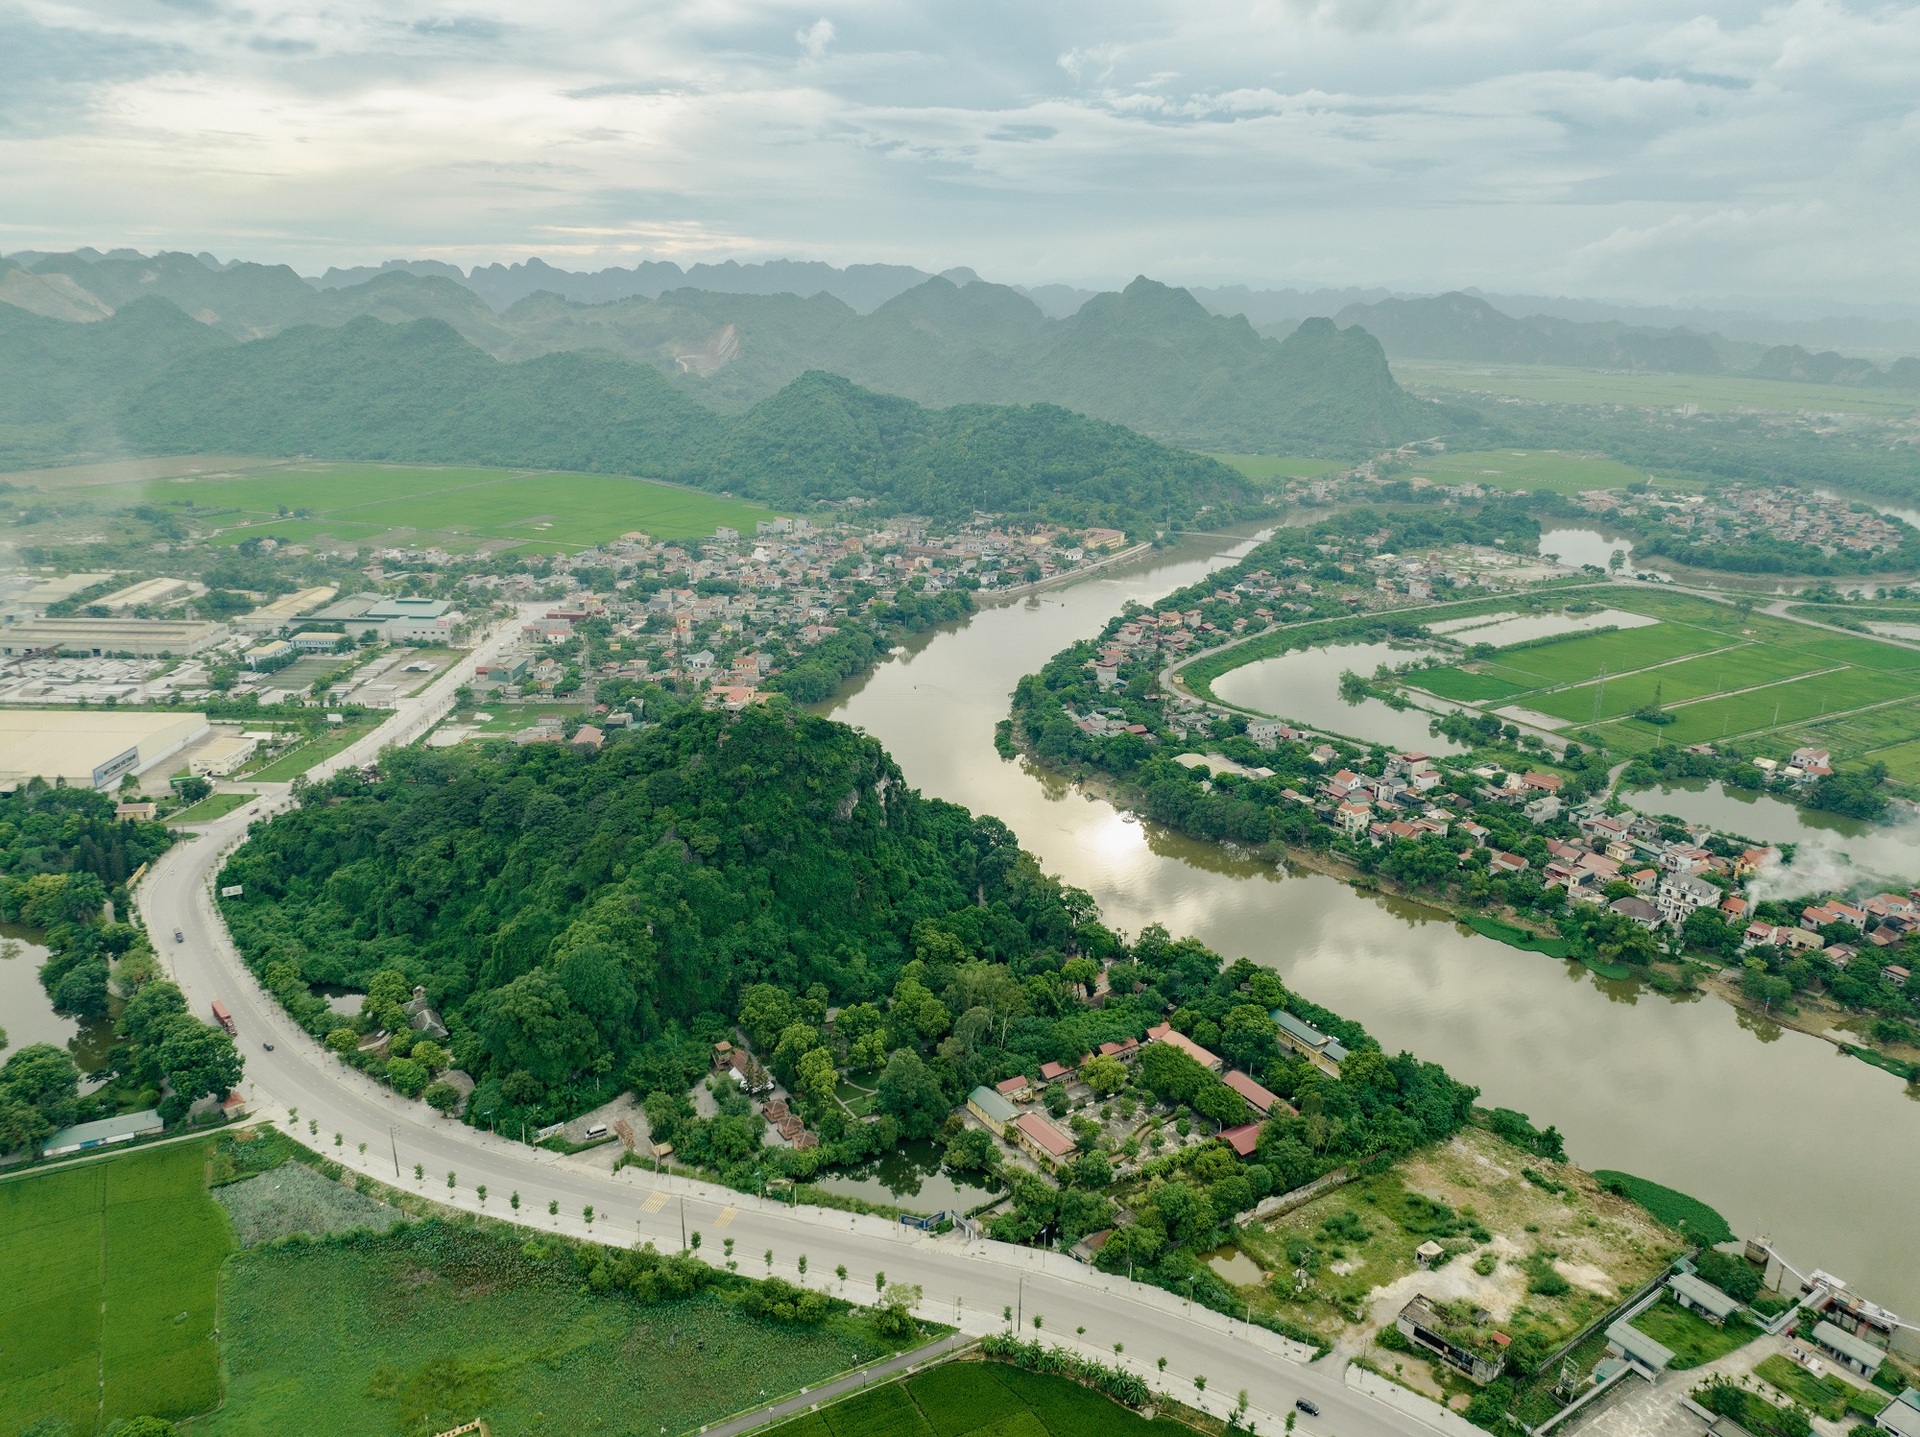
110	1269
987	1398
1725	392
458	507
1530	469
1716	674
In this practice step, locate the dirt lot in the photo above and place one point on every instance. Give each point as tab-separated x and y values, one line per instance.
1543	1255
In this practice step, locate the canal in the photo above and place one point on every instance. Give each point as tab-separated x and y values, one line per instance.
1777	1130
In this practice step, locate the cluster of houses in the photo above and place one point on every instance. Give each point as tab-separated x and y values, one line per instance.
1882	921
1738	514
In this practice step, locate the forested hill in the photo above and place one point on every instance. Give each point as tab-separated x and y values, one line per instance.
150	380
561	910
1151	357
589	922
1463	326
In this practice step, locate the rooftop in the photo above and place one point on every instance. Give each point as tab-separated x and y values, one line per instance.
992	1104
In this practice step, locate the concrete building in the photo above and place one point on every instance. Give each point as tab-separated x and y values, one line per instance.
1856	1354
1901	1416
107	1131
272	618
1698	1295
1043	1142
397	621
1167	1033
1643	1353
1459	1334
993	1110
92	748
1320	1049
143	638
147	591
222	755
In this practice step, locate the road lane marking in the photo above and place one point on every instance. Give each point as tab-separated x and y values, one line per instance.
726	1216
654	1203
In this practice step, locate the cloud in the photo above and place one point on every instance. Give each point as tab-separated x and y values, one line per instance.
814	39
1599	146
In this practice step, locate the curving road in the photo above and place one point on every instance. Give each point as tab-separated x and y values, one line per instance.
970	1284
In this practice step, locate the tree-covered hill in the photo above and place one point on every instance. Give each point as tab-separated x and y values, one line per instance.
1463	326
420	392
562	910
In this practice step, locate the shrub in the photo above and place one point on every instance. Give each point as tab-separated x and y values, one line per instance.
1035	1356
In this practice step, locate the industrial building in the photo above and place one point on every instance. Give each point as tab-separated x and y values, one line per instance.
143	638
396	621
147	591
272	618
90	748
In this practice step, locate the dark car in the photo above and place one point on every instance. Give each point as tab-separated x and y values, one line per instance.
267	1046
178	936
1307	1407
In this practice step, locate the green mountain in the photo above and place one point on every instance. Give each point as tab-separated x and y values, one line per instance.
1461	326
1151	357
1791	362
420	392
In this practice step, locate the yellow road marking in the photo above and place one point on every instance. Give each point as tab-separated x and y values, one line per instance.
654	1203
726	1216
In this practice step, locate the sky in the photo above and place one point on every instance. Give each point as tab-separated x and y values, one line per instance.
1662	152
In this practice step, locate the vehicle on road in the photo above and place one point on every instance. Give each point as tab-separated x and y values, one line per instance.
223	1017
178	936
267	1046
1307	1407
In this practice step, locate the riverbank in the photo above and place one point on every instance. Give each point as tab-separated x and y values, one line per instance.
1597	1058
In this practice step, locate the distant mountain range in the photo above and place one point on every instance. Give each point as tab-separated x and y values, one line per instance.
1150	357
149	379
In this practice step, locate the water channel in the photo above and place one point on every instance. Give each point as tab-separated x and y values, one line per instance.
26	1015
1778	1131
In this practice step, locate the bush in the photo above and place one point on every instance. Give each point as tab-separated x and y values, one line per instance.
783	1302
1393	1339
1122	1387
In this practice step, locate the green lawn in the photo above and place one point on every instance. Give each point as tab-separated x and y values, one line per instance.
1693	1340
1281	466
1671	1206
1726	669
431	1326
987	1399
456	506
1831	1397
214	805
110	1271
298	760
1557	385
1533	469
1581	657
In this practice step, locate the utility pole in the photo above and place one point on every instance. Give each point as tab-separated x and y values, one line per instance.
394	1142
683	1224
1020	1305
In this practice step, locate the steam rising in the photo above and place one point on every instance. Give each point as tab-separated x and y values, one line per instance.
1887	858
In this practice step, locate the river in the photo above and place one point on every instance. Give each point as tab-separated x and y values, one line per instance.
1777	1130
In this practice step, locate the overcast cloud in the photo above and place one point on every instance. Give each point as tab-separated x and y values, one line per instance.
1603	147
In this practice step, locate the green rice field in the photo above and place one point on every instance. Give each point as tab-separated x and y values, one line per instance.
459	508
1280	466
430	1326
984	1398
110	1270
1718	675
1531	469
1558	385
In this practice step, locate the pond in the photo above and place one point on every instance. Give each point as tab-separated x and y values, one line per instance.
910	1177
1832	851
1503	629
1304	687
26	1014
1235	1268
1586	546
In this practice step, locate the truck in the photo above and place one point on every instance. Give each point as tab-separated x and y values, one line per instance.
223	1017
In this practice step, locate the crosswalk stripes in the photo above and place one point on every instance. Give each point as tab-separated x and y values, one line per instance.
727	1215
654	1203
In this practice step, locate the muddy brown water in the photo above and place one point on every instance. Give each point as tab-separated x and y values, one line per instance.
1777	1130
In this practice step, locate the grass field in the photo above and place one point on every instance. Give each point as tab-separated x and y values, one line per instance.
1586	386
1674	1208
110	1271
297	760
1262	467
1693	1340
984	1398
1718	675
1532	469
460	508
214	805
432	1326
1829	1396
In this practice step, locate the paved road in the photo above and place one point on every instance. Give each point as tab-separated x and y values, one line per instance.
971	1285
